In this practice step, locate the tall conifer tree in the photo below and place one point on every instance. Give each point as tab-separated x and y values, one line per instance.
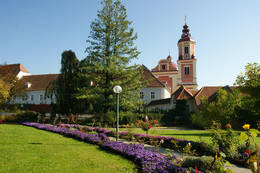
110	51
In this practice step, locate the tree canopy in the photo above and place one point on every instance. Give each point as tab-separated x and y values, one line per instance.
4	91
110	51
65	87
249	84
223	109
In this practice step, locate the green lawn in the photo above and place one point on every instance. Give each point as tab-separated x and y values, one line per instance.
28	150
193	135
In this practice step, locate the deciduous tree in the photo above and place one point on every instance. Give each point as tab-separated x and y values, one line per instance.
223	108
4	91
249	84
65	87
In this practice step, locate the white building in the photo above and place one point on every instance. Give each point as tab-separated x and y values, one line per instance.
155	89
35	85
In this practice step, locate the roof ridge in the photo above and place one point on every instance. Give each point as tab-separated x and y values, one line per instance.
44	74
154	76
187	90
10	64
199	92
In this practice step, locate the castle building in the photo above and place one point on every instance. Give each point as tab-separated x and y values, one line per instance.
184	72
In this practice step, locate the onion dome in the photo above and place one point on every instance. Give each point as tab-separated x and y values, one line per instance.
173	67
186	36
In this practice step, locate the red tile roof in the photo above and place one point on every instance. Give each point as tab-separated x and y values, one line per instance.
160	102
205	92
12	69
39	82
210	93
148	76
184	93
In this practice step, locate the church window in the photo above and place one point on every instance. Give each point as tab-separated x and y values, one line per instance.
186	50
163	67
186	70
152	95
141	95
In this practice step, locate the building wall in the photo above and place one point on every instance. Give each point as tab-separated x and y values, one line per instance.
21	74
160	93
169	77
33	97
187	78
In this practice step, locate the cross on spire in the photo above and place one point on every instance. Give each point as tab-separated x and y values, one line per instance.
185	20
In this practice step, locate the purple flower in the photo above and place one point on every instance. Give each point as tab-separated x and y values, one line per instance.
150	161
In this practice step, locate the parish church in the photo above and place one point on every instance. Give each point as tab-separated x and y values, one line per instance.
184	72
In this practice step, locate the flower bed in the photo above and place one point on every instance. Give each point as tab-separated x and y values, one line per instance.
149	161
163	141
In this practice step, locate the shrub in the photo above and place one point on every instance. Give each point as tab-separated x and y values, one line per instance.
202	163
226	140
178	116
146	125
29	116
8	118
198	121
128	117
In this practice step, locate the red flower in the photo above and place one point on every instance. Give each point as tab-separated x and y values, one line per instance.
143	126
149	126
228	126
1	121
155	122
196	169
248	151
137	121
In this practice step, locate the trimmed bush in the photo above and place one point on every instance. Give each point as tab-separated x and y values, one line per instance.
29	116
202	163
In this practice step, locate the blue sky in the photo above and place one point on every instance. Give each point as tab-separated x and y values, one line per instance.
36	32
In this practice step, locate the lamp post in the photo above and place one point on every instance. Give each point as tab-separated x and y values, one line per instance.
117	89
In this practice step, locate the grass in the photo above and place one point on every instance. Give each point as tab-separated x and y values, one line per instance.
28	150
193	135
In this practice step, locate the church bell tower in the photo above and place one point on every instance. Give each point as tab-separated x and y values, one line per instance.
186	60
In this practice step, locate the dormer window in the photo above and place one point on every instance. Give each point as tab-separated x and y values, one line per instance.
27	85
